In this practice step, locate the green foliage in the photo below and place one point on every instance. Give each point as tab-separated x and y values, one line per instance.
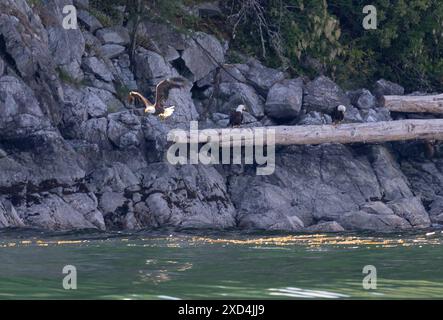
107	11
104	19
34	3
289	31
307	37
406	47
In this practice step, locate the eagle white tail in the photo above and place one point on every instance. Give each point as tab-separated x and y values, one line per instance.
168	112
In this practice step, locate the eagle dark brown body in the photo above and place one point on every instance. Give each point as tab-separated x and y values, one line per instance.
338	114
236	116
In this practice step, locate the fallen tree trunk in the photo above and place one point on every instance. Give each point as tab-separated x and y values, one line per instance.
372	132
419	104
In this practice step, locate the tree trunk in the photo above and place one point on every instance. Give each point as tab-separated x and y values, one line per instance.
431	104
317	134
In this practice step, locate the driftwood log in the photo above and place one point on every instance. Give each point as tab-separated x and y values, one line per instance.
373	132
416	104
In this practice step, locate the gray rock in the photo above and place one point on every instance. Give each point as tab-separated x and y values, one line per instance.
84	4
311	182
239	93
261	77
87	205
114	105
67	48
231	73
158	209
393	182
90	22
384	87
98	68
284	99
374	222
185	110
26	42
219	116
362	99
376	115
110	202
81	106
111	51
122	67
412	210
21	113
186	196
116	178
376	207
167	40
437	219
52	134
8	215
74	114
95	131
124	130
199	56
436	209
151	68
93	46
2	67
315	118
130	221
114	35
425	177
327	226
38	162
93	82
51	212
83	102
352	115
273	211
323	95
228	73
95	107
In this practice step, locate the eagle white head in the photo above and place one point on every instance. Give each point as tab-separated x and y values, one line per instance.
341	108
241	108
150	109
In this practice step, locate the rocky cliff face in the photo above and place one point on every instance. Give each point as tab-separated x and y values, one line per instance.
74	154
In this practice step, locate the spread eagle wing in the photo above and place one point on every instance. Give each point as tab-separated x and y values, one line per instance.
162	92
149	107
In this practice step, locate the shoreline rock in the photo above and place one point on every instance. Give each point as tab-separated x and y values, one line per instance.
75	154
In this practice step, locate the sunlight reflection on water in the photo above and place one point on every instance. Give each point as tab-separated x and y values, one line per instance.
229	265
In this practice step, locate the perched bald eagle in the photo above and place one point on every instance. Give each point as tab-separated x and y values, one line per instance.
338	114
161	94
236	117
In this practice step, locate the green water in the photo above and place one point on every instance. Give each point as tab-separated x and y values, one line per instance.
219	266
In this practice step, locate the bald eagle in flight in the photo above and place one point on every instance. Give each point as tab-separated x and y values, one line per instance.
338	114
161	94
236	117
